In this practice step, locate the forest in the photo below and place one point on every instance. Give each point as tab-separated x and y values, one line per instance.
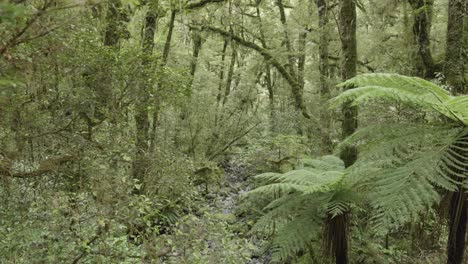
234	131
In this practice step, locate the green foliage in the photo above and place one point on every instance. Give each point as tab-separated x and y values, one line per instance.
402	165
299	202
277	153
411	91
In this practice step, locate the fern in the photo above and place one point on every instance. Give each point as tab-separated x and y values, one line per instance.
411	91
401	166
300	201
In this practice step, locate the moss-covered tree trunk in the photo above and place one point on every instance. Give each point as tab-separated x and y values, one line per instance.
454	73
458	209
454	60
348	70
347	20
268	76
142	122
424	64
325	140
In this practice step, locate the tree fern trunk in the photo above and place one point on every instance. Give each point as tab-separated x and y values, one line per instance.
457	222
336	234
339	224
458	211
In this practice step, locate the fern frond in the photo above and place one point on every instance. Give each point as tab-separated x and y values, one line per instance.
301	198
324	163
292	238
411	91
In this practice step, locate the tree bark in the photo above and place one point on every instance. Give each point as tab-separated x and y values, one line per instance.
458	210
197	45
114	18
227	90
268	77
221	73
324	130
425	67
349	47
347	22
157	102
142	122
292	64
454	61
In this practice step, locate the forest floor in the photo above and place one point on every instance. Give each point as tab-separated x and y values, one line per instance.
236	183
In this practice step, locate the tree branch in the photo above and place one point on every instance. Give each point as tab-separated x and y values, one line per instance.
291	79
201	4
228	145
45	166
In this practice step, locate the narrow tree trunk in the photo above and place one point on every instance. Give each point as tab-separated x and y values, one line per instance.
287	41
454	60
167	45
349	154
425	67
458	213
268	77
325	140
296	87
142	122
227	89
301	50
349	47
197	45
111	33
221	73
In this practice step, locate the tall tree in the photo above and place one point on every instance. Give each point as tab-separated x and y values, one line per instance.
454	73
425	66
338	225
142	121
454	60
323	12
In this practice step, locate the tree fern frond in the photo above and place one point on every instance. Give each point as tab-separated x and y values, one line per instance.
278	189
411	91
292	238
412	84
459	105
301	198
324	163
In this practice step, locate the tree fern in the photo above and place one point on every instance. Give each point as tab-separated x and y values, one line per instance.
300	201
402	165
412	91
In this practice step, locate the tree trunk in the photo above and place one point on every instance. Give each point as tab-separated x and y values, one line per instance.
349	154
425	67
197	45
142	122
157	102
268	77
232	64
292	64
324	130
349	47
458	210
453	68
111	33
301	50
457	222
167	45
221	73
